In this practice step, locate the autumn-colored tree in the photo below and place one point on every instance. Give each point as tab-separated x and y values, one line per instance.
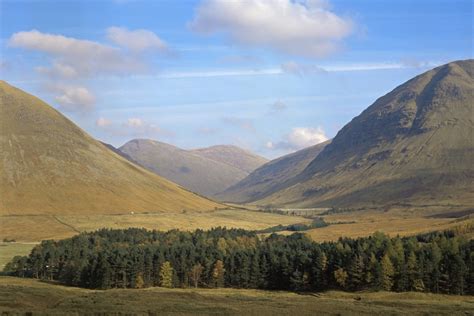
139	282
341	277
166	274
218	274
195	274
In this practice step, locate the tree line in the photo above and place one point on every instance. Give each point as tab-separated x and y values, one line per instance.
439	262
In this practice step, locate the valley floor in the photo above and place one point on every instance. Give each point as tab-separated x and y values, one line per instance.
29	230
26	295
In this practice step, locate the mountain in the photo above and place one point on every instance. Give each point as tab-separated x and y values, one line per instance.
233	156
193	169
272	176
118	152
412	147
48	165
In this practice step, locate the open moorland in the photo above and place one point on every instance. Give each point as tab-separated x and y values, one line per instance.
25	295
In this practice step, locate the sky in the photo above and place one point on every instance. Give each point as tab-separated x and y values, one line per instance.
270	76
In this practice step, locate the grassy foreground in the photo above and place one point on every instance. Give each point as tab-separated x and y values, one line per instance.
25	295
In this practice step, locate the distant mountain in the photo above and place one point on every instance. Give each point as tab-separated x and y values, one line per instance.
413	146
118	152
233	156
206	171
48	165
271	177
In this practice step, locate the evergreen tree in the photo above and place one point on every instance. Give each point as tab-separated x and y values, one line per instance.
387	273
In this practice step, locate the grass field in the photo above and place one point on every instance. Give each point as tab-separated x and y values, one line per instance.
37	228
9	250
27	295
365	223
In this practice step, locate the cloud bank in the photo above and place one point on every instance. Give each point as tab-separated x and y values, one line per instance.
302	28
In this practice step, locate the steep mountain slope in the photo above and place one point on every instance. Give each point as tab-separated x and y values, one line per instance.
413	146
271	177
233	156
187	168
50	166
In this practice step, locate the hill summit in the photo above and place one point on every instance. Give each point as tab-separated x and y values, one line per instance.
48	165
412	147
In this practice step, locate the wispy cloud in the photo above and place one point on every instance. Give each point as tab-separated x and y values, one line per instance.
292	68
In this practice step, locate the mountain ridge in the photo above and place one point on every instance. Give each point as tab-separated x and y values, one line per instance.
412	146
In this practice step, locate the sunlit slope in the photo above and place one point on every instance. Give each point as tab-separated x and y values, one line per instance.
271	177
412	147
50	166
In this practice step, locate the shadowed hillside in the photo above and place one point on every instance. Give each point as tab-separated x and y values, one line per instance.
206	171
50	166
272	176
413	147
233	156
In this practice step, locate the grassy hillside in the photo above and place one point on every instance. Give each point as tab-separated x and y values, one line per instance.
271	177
413	147
204	171
27	295
50	166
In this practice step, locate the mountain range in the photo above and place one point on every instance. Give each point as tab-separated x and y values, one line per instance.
206	171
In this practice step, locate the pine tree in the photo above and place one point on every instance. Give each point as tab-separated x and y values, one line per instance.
415	282
356	273
387	273
255	275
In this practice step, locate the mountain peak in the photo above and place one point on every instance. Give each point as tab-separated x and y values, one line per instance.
48	165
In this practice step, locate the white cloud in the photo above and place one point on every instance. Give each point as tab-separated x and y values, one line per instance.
103	122
74	59
136	41
134	122
299	138
77	57
303	28
72	98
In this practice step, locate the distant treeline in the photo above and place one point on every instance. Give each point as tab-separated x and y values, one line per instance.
316	223
137	258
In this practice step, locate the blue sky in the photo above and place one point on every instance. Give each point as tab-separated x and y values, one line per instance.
272	76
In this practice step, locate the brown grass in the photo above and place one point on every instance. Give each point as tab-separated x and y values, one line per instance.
366	223
23	295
